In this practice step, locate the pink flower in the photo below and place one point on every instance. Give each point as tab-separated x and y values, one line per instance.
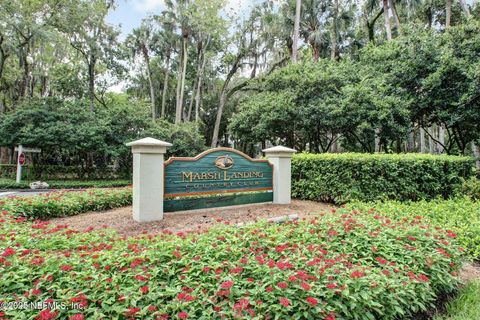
183	315
312	301
357	274
331	316
144	289
46	314
284	302
331	286
306	286
8	252
282	285
227	284
66	268
77	316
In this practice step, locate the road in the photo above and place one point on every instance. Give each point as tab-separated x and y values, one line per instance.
22	193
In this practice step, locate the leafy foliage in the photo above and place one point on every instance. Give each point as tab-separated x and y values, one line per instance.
66	203
70	134
342	264
344	177
400	89
66	184
462	215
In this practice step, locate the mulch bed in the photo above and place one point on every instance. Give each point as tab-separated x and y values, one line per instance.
122	221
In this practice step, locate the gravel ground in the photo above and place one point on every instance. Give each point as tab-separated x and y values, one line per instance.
121	219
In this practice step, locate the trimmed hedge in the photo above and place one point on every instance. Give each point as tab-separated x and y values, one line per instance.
68	184
340	178
66	203
58	172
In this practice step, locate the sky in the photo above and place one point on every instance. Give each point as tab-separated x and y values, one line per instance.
129	13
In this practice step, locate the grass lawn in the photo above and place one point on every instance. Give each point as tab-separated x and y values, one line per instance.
466	306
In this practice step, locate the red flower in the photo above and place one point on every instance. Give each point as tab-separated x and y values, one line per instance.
312	301
77	316
331	286
357	274
46	314
381	260
183	315
227	284
8	252
269	289
423	278
386	272
282	285
66	267
331	316
144	289
306	286
284	302
132	311
152	308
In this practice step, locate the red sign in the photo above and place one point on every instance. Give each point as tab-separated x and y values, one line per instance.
21	159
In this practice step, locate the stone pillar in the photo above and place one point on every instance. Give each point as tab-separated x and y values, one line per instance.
281	158
148	178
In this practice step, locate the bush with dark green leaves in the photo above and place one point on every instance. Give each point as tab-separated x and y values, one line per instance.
91	143
343	177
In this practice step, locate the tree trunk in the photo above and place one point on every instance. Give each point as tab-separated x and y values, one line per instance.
448	13
152	89
333	34
190	105
91	81
431	144
388	28
181	84
396	20
466	10
441	139
165	85
199	87
422	141
476	153
296	30
216	129
377	140
411	141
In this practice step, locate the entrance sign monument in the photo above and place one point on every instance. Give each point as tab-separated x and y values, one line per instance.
215	178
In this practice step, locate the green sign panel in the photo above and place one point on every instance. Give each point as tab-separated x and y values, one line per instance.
216	171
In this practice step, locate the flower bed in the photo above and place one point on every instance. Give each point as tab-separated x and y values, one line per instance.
341	265
66	203
462	215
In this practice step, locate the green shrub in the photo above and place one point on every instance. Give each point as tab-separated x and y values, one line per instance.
470	188
342	265
59	172
68	184
462	215
353	176
66	203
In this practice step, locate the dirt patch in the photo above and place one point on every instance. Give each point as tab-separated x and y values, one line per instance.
122	221
470	272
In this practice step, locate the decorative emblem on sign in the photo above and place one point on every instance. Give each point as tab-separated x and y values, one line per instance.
224	162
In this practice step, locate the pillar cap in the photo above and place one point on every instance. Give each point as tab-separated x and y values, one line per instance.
148	141
149	145
279	151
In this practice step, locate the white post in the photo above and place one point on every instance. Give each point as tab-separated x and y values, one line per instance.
281	158
19	166
148	177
